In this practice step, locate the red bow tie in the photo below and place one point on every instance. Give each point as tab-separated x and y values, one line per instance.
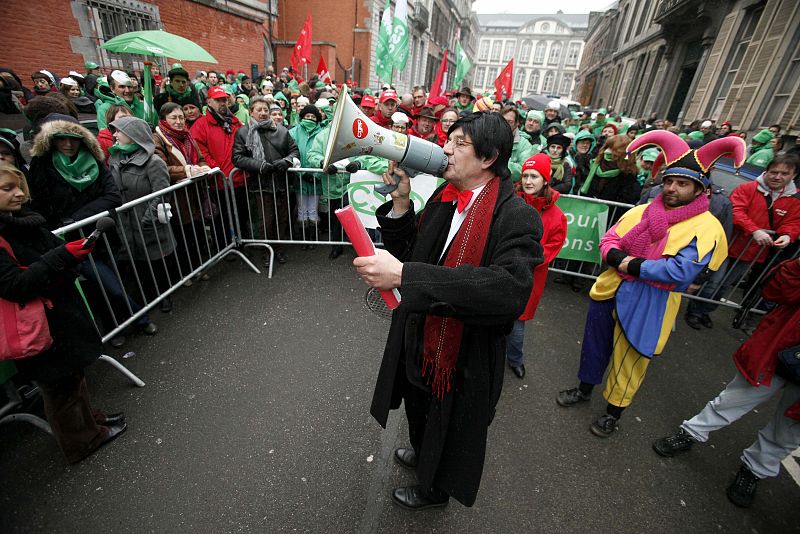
451	193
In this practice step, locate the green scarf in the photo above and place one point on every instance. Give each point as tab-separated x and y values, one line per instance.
80	173
308	125
128	148
186	94
594	169
556	168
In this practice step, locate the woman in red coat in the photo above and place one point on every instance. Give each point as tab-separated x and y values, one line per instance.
536	191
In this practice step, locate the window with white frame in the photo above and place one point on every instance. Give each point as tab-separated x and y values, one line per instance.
496	49
566	84
525	52
491	76
538	55
789	84
555	54
509	51
483	55
547	83
533	82
519	80
572	53
480	73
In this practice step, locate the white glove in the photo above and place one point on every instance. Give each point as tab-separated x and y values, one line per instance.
762	238
341	164
295	163
164	212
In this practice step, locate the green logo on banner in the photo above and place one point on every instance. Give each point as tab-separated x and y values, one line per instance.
365	200
586	224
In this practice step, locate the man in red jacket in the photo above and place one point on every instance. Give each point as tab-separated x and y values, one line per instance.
214	133
756	381
387	105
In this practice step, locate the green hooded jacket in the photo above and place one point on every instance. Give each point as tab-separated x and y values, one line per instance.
107	98
762	158
304	140
333	185
521	151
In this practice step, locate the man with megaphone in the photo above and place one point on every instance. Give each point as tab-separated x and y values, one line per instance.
463	268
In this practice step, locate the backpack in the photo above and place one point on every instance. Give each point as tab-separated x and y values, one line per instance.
23	327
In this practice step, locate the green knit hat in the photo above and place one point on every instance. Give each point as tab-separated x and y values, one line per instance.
649	155
696	136
763	137
535	114
90	65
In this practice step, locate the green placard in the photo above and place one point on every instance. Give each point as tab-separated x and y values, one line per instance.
586	224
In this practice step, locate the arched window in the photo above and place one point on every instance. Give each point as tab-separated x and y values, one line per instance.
555	54
525	52
484	53
496	46
547	84
533	82
509	50
538	55
519	80
566	85
480	74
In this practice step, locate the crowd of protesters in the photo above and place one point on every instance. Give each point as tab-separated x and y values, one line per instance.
266	126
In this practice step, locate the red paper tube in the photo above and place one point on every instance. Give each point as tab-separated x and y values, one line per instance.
358	235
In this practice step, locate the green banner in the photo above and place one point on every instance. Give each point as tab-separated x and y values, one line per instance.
586	224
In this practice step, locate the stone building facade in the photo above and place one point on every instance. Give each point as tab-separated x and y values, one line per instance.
735	61
547	51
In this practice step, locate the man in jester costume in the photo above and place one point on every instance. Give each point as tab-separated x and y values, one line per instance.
653	252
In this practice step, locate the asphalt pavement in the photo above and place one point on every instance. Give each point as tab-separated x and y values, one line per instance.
255	418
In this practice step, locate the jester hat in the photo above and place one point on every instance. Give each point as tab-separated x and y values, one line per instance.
683	161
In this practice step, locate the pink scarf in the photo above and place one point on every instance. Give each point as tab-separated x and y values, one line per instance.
655	222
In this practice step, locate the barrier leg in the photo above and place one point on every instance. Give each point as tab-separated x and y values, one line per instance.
271	255
38	422
122	369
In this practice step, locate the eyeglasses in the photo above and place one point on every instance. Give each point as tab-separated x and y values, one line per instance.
459	141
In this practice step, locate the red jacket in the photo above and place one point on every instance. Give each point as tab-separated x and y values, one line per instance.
554	233
106	140
217	146
380	120
757	358
751	213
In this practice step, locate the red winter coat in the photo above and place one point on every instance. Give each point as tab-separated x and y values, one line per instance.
106	140
217	146
757	358
750	213
555	232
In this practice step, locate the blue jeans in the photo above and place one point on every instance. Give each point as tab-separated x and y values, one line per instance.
116	295
514	344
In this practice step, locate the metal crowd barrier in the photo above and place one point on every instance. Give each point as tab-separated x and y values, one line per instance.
137	267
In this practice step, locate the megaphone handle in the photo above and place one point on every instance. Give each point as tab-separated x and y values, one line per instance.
386	189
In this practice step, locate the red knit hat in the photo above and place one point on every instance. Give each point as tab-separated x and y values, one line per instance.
613	126
540	163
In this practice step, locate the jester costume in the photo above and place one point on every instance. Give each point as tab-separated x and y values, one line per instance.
631	313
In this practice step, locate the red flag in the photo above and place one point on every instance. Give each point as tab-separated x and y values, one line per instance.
322	71
502	85
301	53
436	88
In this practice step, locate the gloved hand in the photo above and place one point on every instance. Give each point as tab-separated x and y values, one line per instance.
352	167
76	249
762	238
296	163
266	168
164	212
280	165
339	166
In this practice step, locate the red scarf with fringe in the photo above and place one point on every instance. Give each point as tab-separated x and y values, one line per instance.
442	341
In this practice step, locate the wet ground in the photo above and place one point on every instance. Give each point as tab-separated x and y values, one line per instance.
255	418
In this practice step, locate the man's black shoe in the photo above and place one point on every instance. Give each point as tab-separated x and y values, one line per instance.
519	370
406	458
694	321
415	498
742	490
280	257
117	341
569	397
604	426
706	321
675	444
114	419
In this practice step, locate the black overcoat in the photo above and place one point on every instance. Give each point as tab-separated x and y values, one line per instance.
487	299
49	273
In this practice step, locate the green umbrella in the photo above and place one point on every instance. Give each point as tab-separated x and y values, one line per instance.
158	43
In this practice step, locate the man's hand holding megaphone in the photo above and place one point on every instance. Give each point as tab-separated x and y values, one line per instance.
401	201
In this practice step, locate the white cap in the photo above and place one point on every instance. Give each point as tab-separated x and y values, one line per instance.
121	78
322	103
399	118
706	124
69	81
554	105
49	75
303	100
78	74
267	83
269	98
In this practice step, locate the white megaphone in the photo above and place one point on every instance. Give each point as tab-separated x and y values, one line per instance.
354	134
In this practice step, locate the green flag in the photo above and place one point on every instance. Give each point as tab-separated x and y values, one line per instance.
150	114
586	224
383	62
463	65
398	43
